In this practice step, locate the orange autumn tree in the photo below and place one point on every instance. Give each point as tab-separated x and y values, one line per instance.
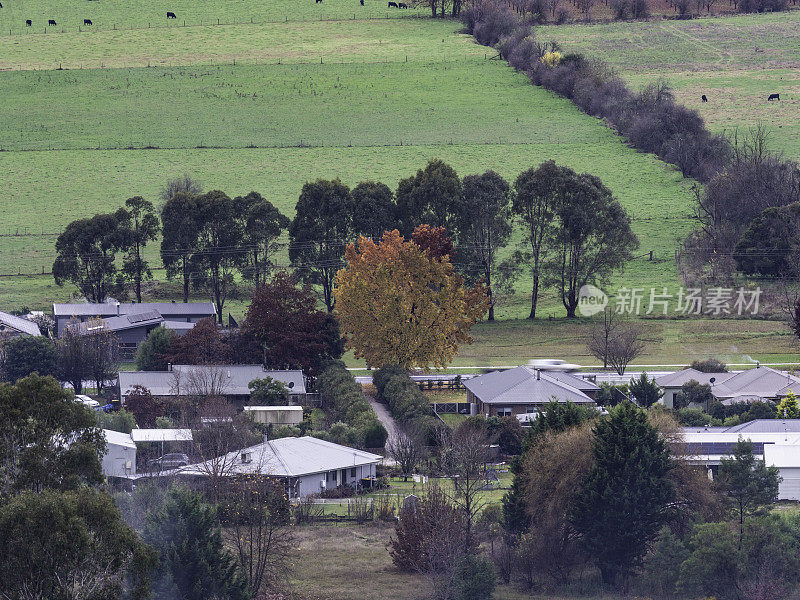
399	305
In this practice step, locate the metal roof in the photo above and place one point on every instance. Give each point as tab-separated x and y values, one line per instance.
678	378
108	309
161	435
287	457
767	426
231	380
521	385
761	382
121	323
116	438
19	324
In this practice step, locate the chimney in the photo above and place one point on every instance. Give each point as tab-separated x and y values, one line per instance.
117	308
169	367
266	438
538	374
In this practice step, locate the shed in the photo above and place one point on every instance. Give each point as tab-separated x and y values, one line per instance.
275	415
120	457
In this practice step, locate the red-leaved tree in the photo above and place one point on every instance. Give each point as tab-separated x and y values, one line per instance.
284	323
201	345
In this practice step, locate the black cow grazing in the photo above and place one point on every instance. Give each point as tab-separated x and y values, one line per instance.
171	15
87	21
51	22
362	3
27	22
704	98
774	97
391	4
402	5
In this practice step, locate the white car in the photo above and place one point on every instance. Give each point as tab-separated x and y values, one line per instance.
87	402
553	364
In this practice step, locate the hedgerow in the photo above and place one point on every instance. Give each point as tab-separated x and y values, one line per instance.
347	408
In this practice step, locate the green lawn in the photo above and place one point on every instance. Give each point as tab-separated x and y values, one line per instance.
735	61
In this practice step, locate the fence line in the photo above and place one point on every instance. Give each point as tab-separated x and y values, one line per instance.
219	22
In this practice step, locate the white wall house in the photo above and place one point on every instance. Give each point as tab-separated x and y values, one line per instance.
776	442
306	465
120	457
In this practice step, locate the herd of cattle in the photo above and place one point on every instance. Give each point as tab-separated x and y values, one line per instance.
171	15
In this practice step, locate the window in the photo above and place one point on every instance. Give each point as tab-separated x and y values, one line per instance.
503	411
531	410
353	472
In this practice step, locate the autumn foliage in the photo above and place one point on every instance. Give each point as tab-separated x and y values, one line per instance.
399	305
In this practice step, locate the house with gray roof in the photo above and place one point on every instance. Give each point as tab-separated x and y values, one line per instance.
230	381
306	465
752	385
13	326
525	390
131	330
774	441
188	312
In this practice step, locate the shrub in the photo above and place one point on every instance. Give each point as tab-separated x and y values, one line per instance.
709	365
474	578
695	417
355	422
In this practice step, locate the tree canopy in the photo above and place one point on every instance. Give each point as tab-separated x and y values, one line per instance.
25	354
85	254
288	331
400	306
47	440
623	502
70	545
322	227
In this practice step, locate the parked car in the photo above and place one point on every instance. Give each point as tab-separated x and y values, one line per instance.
169	461
87	402
553	364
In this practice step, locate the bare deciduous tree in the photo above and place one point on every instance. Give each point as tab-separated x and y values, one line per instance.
186	184
601	335
407	451
468	454
626	344
256	515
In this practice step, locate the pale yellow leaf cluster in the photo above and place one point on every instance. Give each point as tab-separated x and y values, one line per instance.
398	305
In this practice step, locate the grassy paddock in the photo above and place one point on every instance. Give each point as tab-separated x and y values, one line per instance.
365	41
736	61
144	14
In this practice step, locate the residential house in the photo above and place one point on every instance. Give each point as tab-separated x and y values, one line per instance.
230	381
759	384
524	390
185	312
775	441
12	326
306	465
131	330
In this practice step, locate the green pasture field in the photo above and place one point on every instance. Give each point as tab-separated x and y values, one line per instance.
736	61
144	14
365	121
359	41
